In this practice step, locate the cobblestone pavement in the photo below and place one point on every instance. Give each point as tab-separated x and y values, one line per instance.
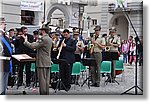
109	89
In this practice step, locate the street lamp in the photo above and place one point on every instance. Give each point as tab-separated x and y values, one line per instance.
88	20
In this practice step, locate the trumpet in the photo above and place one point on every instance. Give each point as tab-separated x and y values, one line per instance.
60	49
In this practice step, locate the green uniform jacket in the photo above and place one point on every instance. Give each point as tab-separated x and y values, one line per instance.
43	46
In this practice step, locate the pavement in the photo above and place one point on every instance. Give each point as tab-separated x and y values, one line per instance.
109	89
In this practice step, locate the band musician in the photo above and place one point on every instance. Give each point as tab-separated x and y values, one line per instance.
96	48
67	53
56	40
79	46
114	42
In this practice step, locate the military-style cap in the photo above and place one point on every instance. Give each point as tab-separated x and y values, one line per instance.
76	32
112	29
45	27
98	27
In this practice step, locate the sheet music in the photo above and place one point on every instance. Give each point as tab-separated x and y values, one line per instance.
23	57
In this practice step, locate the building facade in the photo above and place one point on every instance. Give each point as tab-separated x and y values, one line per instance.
83	14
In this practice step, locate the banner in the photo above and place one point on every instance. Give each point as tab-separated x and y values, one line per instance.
32	5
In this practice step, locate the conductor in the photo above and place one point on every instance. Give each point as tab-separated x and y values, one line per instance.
43	58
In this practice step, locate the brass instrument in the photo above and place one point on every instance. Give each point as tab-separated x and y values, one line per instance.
92	45
91	48
60	49
79	44
10	39
55	44
107	48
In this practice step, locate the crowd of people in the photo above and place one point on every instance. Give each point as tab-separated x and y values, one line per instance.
45	46
129	51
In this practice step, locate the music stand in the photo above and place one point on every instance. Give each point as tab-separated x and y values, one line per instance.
22	58
59	81
88	62
137	39
110	56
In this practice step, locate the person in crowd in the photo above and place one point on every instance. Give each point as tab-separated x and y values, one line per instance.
22	49
119	48
98	46
35	35
12	39
132	53
79	50
79	47
6	51
125	50
67	53
43	58
56	40
140	52
17	41
130	41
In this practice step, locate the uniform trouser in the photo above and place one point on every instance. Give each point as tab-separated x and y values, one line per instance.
65	73
44	77
95	70
3	82
28	72
113	74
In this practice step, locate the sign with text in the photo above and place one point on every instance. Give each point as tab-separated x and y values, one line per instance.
32	5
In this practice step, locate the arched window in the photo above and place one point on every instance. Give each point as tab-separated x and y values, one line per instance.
27	17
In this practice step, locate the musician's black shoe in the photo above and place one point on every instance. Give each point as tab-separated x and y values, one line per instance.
27	85
103	75
108	80
77	83
68	88
94	84
19	84
97	85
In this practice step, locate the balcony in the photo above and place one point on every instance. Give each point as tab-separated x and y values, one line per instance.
132	6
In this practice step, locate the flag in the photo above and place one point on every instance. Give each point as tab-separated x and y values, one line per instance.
118	3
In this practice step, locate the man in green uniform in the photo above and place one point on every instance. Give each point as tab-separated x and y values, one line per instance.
114	42
43	58
99	45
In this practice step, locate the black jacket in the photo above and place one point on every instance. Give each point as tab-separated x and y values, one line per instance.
68	51
21	48
6	53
